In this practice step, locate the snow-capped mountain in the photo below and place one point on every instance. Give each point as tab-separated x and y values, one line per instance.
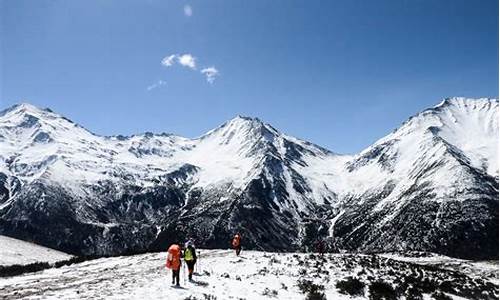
432	184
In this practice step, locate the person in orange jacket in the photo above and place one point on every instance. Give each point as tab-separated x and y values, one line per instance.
237	243
174	262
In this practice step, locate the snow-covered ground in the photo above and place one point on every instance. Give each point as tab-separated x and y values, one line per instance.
17	252
253	275
484	269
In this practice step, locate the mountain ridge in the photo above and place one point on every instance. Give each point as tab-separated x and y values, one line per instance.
112	194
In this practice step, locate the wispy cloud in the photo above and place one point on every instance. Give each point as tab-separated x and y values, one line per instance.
168	60
188	11
155	85
187	60
210	74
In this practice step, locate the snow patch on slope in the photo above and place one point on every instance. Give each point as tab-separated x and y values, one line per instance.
17	252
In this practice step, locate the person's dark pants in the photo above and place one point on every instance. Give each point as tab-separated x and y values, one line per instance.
238	250
190	265
175	276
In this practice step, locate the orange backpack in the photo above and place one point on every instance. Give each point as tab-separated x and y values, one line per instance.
174	257
236	240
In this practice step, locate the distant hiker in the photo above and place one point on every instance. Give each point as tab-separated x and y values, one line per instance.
320	247
237	243
174	262
190	258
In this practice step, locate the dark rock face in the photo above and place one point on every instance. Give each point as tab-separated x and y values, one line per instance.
462	224
467	229
133	219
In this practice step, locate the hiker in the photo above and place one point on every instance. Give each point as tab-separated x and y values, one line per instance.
320	247
174	262
190	258
237	243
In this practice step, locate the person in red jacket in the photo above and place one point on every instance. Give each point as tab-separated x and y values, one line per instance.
174	262
237	243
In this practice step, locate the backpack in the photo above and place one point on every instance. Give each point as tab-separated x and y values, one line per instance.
236	240
188	254
174	257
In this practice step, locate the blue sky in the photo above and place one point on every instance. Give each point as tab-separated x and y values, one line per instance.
337	73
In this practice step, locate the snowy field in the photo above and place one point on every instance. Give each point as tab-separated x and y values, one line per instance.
258	275
17	252
482	269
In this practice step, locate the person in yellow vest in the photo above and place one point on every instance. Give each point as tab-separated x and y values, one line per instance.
190	258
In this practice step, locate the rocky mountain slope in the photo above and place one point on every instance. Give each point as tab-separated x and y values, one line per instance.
432	185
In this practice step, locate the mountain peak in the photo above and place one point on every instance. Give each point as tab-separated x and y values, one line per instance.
451	107
26	109
24	106
244	119
20	107
463	102
249	124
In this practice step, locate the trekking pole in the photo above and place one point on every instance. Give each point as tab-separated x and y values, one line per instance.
181	278
184	277
200	268
196	266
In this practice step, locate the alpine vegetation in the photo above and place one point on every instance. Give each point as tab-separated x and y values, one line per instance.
430	185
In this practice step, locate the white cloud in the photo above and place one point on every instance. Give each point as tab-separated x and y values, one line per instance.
210	74
187	60
168	61
188	11
155	85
